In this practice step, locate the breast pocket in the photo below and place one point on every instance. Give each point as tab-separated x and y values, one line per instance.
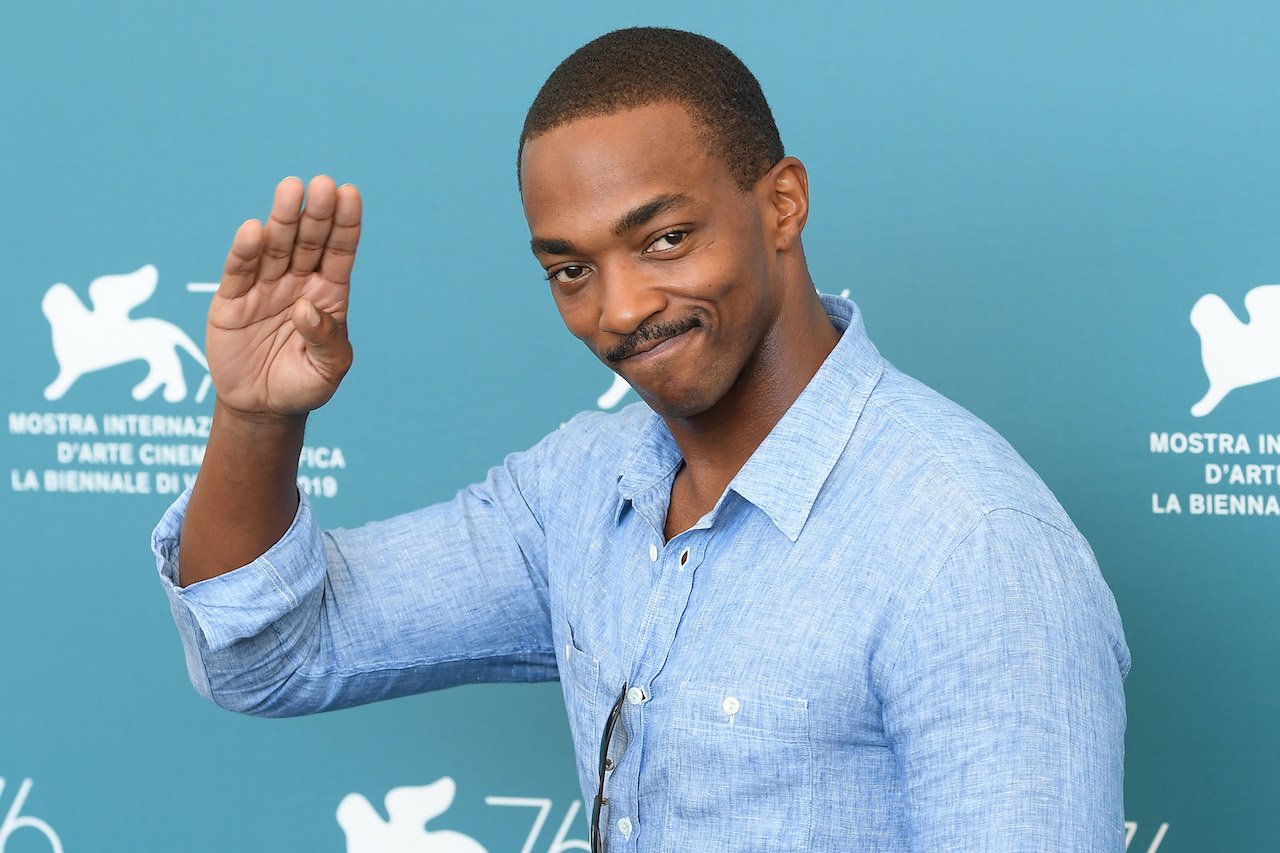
580	681
742	772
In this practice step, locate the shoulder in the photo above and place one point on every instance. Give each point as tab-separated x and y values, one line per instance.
950	459
574	465
968	533
600	434
589	446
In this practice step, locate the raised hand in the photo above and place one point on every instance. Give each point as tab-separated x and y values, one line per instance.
277	336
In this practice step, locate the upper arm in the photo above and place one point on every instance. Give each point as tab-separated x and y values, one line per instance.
461	584
1004	704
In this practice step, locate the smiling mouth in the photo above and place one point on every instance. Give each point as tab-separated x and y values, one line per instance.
651	338
654	344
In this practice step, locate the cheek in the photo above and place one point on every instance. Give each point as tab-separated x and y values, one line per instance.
576	315
712	275
731	290
732	264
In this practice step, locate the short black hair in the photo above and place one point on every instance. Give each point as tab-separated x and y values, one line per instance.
641	66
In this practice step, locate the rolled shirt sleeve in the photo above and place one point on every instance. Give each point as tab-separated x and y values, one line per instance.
1005	707
449	594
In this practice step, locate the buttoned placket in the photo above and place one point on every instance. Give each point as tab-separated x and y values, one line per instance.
671	566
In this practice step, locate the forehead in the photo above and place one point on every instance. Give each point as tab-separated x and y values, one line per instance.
584	174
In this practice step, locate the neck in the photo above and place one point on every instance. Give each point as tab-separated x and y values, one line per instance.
716	443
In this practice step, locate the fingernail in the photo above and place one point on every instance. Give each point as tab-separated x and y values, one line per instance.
312	315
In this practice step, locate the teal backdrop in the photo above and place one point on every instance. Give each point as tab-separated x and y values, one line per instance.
1026	199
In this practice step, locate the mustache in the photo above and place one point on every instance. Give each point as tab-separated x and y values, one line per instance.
655	331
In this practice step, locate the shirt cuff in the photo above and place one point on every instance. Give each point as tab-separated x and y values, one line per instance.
245	601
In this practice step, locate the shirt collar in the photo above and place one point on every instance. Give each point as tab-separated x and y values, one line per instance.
786	472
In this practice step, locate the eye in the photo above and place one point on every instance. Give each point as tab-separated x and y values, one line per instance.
566	275
667	241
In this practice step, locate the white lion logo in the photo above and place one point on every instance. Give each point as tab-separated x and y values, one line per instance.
408	810
86	340
1237	354
614	395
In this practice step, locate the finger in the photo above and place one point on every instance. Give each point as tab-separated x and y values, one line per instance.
325	337
340	251
281	229
313	228
241	269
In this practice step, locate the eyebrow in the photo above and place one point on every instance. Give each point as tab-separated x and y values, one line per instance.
629	221
637	216
552	246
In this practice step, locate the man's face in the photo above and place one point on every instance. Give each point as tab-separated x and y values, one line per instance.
656	257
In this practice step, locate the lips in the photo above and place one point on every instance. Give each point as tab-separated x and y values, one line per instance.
649	338
652	344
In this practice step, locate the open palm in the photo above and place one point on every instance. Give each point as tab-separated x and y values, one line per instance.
277	336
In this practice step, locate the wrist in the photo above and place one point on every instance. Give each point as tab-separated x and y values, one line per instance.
225	413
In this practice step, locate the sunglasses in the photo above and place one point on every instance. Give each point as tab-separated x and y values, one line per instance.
606	764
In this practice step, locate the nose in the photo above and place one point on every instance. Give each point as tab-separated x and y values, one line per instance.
627	301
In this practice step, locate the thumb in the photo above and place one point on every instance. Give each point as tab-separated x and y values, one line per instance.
325	337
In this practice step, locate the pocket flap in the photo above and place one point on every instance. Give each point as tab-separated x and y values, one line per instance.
742	711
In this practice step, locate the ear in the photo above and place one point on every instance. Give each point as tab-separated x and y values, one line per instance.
784	202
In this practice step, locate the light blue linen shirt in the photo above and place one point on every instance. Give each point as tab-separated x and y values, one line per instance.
886	635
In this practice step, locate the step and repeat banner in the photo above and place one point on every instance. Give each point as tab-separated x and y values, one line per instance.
1064	216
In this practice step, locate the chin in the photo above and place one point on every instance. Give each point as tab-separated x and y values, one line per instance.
678	405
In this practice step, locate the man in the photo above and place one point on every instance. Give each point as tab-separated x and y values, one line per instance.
805	602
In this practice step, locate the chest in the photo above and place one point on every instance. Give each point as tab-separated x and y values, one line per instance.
745	655
729	604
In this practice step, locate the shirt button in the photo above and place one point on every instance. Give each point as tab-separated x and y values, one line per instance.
568	651
653	553
635	695
731	705
625	827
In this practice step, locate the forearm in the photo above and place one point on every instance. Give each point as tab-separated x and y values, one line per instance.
442	596
246	494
